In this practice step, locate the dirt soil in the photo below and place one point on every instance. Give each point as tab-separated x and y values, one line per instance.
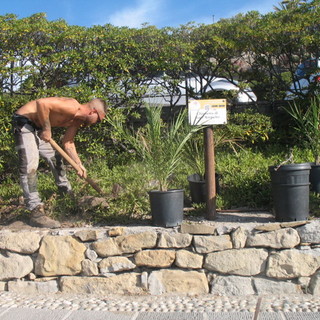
13	216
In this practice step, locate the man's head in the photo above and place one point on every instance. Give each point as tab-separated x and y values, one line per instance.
100	107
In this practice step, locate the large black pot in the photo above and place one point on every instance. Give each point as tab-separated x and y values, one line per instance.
167	207
315	178
290	191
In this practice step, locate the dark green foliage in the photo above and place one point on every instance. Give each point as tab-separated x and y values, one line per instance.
250	127
8	156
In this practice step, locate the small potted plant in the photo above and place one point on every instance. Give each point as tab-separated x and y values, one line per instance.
290	190
306	117
194	155
160	145
290	181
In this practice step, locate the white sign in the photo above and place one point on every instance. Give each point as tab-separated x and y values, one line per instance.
207	112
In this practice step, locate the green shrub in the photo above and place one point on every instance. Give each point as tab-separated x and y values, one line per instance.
8	155
250	127
244	180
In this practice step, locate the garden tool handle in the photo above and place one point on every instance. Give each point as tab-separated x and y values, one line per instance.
74	165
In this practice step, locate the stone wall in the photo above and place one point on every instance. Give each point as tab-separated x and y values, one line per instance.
196	258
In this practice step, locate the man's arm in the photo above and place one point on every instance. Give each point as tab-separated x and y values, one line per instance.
70	148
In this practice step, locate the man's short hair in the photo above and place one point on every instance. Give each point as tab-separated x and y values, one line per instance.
101	102
101	106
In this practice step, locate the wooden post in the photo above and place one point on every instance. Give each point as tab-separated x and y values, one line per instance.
210	173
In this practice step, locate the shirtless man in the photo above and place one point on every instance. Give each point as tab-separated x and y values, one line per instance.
32	130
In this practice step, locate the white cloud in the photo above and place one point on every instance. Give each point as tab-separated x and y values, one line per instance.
134	17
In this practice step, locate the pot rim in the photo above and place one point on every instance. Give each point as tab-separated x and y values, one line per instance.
291	166
168	191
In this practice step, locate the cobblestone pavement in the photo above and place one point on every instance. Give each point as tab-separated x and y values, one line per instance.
208	307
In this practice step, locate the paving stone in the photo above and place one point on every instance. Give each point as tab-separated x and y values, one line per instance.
302	315
170	316
32	314
3	310
100	315
270	316
230	316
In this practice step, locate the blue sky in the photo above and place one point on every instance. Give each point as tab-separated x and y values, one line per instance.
134	13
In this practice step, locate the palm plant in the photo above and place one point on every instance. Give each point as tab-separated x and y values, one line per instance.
158	144
307	124
193	154
194	148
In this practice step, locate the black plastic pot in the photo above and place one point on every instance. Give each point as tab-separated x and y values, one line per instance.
198	189
315	177
290	191
167	207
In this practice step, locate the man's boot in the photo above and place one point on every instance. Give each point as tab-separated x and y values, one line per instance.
39	219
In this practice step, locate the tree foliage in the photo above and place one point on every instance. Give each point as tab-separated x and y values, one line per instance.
40	57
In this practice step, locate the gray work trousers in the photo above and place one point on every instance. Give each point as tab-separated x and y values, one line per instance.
30	147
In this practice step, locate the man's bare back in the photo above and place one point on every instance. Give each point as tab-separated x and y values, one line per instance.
61	111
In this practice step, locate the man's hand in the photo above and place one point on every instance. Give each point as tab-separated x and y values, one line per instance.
82	172
45	135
